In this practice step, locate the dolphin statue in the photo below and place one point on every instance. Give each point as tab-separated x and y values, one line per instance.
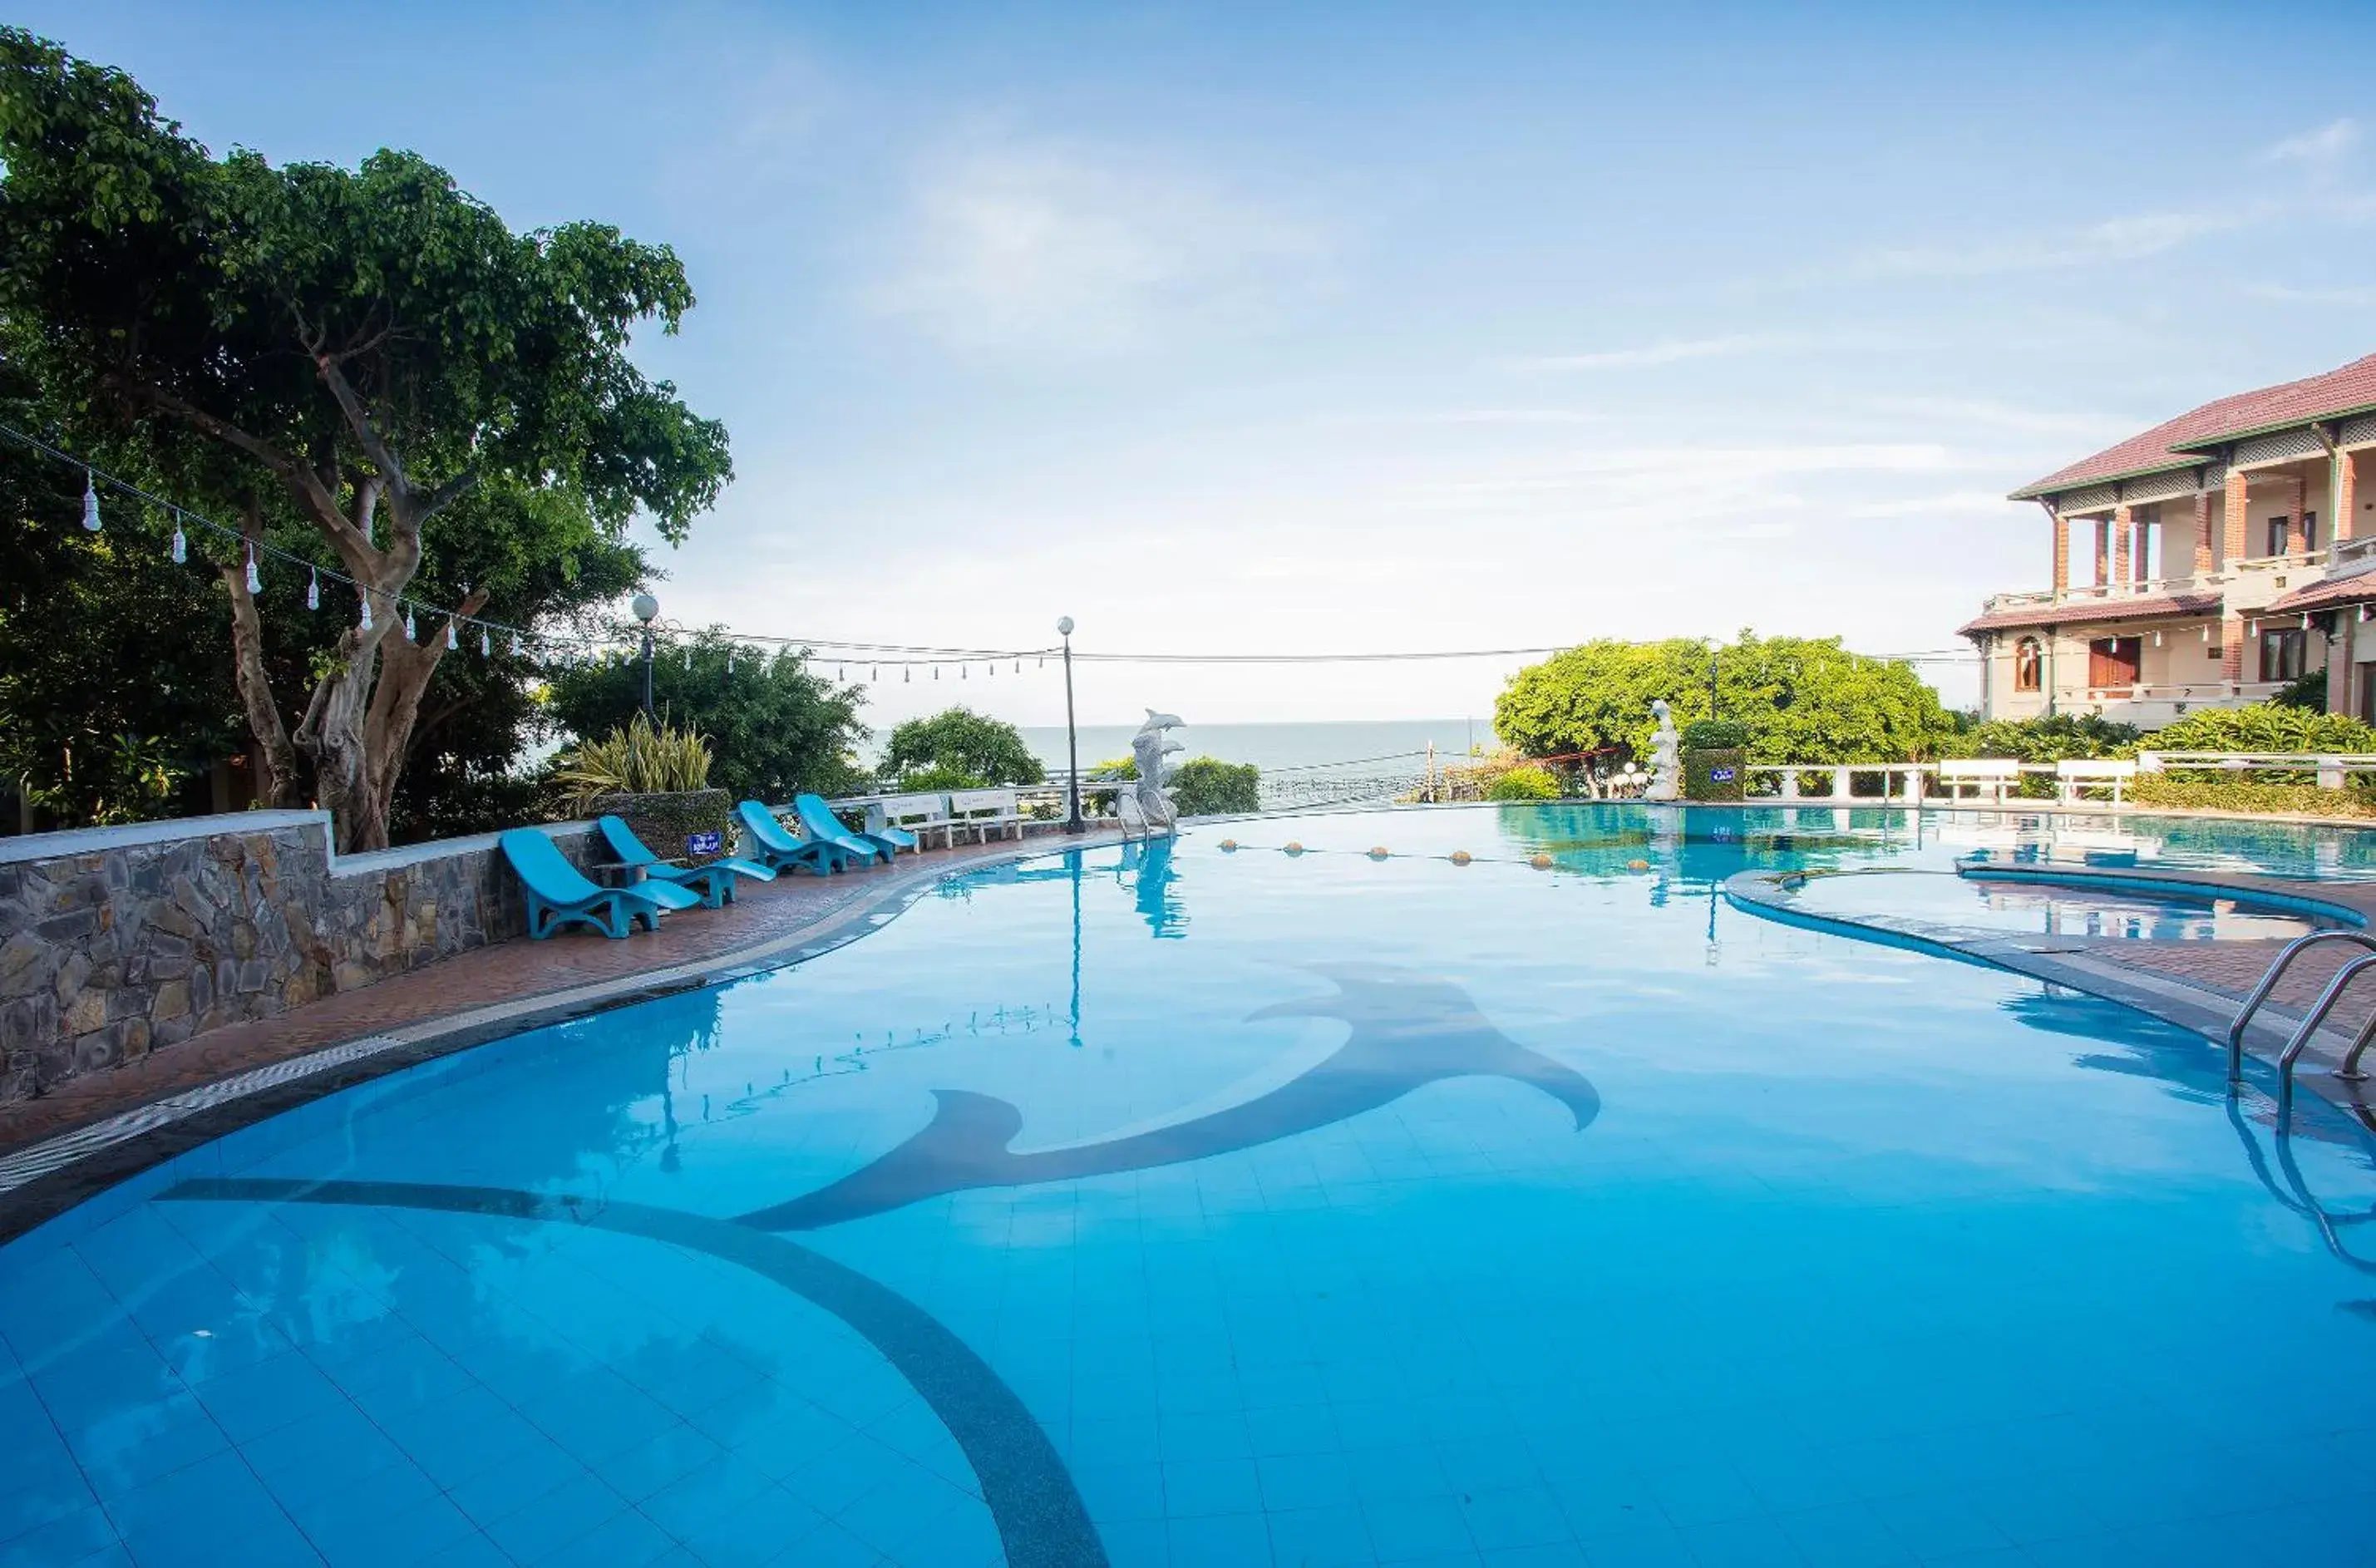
1406	1033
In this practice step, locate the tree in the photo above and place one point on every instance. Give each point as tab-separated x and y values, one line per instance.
362	360
775	729
1207	786
1804	700
962	743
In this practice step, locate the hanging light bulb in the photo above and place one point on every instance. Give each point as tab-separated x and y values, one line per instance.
313	589
181	545
729	661
254	583
874	671
964	671
365	624
1019	667
452	642
515	645
905	674
486	642
411	632
90	504
936	671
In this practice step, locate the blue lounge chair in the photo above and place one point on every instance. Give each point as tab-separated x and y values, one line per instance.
818	822
559	893
714	882
764	840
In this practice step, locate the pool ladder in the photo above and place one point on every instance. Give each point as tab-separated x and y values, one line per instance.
2350	1071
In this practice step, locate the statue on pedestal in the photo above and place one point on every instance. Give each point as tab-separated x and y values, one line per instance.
1149	748
1666	757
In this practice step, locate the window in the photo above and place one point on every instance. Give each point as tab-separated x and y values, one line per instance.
2026	665
2309	530
2277	535
2281	655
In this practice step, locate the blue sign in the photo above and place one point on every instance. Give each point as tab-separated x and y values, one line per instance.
1721	775
704	843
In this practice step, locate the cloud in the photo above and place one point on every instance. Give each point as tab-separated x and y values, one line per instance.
1058	249
2130	238
2351	299
1671	351
2319	148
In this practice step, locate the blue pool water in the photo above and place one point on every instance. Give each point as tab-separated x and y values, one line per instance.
1195	1205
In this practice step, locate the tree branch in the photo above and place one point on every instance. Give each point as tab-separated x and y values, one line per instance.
359	419
264	720
301	481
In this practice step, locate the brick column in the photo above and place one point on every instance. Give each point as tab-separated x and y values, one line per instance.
2203	566
2296	539
2343	494
2103	551
2231	649
2124	524
2235	518
2062	556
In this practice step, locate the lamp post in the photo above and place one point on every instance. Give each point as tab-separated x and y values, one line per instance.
646	610
1073	823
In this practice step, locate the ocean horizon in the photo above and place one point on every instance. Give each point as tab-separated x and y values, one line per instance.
1348	746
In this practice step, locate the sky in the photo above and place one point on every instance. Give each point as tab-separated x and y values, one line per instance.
1358	328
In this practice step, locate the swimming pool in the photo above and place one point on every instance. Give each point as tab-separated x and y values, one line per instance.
1203	1205
1981	902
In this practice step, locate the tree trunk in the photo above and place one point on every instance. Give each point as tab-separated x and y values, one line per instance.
281	786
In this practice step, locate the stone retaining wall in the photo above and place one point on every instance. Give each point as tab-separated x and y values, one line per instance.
116	942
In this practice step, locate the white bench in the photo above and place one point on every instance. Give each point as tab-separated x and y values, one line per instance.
2072	775
1990	773
922	815
982	812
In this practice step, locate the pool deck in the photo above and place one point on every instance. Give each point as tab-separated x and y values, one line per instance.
97	1130
2196	985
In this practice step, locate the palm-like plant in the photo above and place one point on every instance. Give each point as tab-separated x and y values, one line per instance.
637	760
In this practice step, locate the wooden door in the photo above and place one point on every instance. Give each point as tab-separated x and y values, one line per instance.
2113	662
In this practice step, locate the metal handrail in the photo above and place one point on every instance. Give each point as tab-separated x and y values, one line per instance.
2317	1015
2269	983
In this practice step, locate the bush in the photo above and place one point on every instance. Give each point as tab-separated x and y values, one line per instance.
2238	795
987	750
2307	691
2263	727
636	760
1715	774
1715	735
1523	784
1208	787
2047	739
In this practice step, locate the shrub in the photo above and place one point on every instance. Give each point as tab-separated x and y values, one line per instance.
2240	795
2263	727
1527	783
938	777
2046	739
636	760
1208	786
988	750
1715	735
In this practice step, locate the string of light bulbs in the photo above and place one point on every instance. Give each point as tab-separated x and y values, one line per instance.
844	653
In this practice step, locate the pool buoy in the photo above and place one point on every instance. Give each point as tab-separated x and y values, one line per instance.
1293	848
1378	852
1541	863
1637	865
1460	857
1228	844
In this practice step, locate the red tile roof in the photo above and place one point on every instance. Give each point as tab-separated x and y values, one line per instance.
2174	443
2358	590
2077	611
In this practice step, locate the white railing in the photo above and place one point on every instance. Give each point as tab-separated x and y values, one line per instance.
2332	769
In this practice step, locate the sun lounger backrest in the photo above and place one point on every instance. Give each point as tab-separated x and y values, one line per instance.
628	848
761	825
543	867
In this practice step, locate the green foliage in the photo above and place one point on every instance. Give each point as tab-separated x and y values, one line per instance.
1208	787
1113	768
937	777
1803	700
1700	770
2263	727
2048	738
776	728
2241	795
2307	691
1523	784
1715	735
639	759
962	741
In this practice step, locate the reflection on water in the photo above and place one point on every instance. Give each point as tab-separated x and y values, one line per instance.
1971	903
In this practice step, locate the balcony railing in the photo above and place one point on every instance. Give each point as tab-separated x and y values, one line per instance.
2205	582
